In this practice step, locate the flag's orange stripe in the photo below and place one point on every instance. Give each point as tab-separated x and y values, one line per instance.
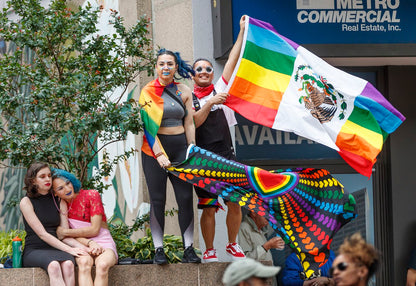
256	94
357	145
254	112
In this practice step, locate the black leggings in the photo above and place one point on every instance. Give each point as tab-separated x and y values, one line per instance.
156	178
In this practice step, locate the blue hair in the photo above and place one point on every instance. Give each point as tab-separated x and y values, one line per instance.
185	70
67	176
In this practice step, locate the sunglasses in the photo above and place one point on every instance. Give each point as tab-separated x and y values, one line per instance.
200	69
340	266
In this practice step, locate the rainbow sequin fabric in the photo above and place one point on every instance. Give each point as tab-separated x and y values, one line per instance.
306	207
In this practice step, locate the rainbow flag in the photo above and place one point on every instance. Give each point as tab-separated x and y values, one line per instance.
151	113
279	84
306	207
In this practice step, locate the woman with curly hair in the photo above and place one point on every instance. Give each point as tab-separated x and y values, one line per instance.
41	220
356	263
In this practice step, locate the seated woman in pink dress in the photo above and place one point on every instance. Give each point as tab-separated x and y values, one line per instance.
85	213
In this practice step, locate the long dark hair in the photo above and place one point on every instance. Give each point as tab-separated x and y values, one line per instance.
185	70
32	171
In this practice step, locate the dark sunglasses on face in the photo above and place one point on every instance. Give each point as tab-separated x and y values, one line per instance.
199	69
340	266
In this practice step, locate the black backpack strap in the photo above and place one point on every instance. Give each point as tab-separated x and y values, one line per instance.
195	100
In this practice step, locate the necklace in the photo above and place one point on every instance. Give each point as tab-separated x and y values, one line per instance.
58	209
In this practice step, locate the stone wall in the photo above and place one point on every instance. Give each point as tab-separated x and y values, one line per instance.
205	274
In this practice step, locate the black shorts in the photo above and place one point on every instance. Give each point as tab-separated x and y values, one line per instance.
207	199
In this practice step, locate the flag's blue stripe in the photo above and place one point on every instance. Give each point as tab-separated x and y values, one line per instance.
386	119
269	40
150	138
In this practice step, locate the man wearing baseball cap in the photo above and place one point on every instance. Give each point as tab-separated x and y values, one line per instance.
248	272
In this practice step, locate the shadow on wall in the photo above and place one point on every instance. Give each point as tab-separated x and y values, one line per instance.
409	240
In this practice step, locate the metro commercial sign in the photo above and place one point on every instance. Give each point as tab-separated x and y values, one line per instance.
335	21
381	15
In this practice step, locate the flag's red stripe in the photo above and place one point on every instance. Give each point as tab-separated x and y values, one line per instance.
360	164
252	93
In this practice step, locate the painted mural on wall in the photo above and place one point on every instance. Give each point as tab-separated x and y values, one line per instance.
11	179
122	195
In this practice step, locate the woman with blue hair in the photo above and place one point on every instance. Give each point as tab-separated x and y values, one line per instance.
168	130
84	211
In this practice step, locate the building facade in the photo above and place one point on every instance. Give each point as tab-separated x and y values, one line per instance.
375	40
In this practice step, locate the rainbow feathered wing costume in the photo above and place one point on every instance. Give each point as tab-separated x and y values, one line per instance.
306	207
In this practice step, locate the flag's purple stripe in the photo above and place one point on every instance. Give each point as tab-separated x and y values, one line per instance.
262	24
371	92
267	26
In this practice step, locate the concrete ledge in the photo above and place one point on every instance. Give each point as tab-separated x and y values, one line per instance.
204	274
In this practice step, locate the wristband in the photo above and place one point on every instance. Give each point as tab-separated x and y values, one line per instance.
159	154
264	248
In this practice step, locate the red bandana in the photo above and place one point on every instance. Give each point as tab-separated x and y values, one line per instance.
200	92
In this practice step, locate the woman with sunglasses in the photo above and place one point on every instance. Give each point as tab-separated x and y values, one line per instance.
356	263
168	130
212	121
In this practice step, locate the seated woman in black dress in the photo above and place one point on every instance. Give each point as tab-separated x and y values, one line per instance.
41	219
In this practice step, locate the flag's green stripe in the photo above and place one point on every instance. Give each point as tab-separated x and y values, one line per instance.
365	119
269	59
150	124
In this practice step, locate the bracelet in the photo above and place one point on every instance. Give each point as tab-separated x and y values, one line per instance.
89	241
159	154
264	248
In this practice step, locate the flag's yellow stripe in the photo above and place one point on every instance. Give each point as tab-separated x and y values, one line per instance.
263	77
373	138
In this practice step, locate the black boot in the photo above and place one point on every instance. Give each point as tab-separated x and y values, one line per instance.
160	257
189	256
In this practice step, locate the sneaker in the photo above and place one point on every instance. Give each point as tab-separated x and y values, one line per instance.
235	251
189	256
160	257
210	255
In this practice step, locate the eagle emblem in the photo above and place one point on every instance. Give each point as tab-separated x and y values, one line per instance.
318	95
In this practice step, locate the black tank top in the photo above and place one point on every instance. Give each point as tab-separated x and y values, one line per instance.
214	134
48	215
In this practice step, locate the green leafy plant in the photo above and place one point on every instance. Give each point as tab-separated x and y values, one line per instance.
64	87
6	238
